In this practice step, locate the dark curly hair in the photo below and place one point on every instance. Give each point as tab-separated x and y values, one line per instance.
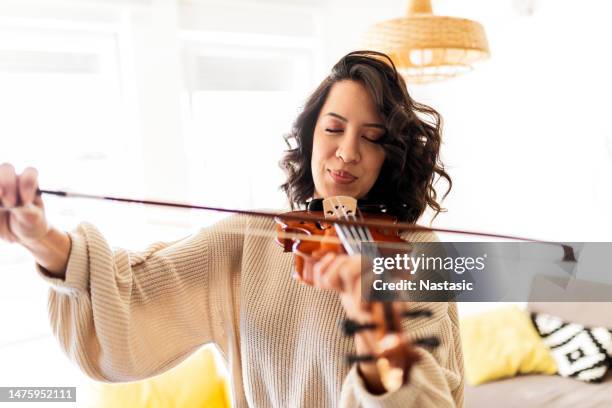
411	143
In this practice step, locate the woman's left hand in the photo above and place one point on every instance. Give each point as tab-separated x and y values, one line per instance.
342	273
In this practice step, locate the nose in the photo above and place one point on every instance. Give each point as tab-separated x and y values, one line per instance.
348	148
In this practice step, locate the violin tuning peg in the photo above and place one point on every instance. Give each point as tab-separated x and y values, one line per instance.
432	342
350	327
356	358
417	313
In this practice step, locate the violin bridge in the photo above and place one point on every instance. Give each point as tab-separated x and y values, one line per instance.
339	207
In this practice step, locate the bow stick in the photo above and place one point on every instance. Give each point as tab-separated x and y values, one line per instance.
568	251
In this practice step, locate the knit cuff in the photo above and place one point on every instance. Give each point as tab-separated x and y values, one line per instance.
77	269
404	397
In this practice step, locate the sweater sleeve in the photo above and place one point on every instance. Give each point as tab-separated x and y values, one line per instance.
124	316
436	381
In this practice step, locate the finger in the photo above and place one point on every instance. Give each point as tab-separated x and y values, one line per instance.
350	273
308	264
330	275
321	266
352	301
28	183
8	182
306	275
38	202
298	268
26	215
5	232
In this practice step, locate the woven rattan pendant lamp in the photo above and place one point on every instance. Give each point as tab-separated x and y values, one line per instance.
426	47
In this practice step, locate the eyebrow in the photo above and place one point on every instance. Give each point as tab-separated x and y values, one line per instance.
342	118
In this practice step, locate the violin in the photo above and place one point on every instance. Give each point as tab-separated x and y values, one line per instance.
395	361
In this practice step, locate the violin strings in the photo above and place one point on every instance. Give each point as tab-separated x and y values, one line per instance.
345	235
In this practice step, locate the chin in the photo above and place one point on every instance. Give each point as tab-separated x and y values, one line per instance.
337	191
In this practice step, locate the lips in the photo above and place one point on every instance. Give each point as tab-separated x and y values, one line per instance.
341	176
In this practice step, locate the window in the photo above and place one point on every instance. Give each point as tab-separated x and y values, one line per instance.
239	104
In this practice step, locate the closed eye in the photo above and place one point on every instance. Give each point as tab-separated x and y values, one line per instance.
333	130
370	140
374	139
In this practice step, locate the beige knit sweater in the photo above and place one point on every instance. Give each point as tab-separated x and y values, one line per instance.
123	316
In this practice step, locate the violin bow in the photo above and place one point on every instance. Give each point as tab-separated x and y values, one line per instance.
568	251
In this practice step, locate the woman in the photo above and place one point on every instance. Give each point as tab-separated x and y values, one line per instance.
124	316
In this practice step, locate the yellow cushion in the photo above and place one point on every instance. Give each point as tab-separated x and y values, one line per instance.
196	382
503	343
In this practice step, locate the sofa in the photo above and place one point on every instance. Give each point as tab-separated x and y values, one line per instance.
543	391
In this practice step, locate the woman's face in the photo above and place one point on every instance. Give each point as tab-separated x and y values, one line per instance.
346	159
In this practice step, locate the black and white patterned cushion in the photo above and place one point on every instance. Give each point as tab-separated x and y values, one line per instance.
580	352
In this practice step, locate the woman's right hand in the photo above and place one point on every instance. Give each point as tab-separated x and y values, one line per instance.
22	214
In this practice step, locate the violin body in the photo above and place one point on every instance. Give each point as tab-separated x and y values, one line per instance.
291	235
